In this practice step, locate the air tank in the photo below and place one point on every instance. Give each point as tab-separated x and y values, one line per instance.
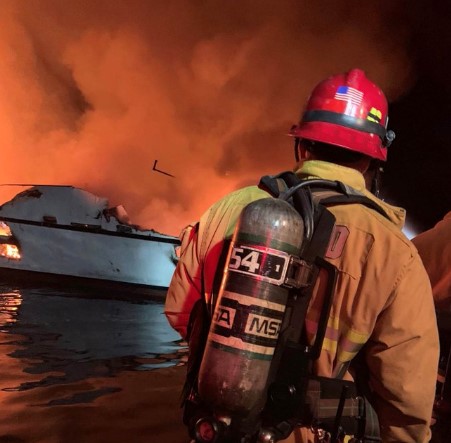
249	311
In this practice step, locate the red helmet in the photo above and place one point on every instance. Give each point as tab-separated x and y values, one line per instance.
348	111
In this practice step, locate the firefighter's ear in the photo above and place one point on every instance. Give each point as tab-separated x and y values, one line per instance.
306	155
300	151
303	153
296	149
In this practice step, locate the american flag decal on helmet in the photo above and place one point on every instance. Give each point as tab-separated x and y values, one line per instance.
350	95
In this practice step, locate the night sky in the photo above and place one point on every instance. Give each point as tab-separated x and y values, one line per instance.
418	171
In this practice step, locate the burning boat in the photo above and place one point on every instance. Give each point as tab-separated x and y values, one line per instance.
50	232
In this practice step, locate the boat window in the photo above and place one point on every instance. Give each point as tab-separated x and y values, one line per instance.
124	229
86	226
8	246
4	230
10	251
49	219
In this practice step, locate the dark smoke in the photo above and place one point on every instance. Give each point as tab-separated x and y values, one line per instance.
94	91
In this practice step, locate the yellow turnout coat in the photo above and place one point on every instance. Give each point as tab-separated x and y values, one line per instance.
383	301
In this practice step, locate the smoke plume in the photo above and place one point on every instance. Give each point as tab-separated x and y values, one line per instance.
93	92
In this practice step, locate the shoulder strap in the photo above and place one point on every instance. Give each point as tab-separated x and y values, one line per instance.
273	184
345	199
326	192
290	358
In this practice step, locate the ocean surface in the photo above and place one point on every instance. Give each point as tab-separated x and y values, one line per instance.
78	366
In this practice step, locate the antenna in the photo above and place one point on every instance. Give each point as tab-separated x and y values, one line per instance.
159	170
34	184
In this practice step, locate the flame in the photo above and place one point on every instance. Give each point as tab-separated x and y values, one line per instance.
94	92
10	251
4	230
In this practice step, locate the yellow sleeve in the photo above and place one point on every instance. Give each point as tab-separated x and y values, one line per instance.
434	247
201	247
185	287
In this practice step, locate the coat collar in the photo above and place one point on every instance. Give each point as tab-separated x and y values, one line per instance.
350	177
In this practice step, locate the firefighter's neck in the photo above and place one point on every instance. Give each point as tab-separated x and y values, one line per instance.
362	165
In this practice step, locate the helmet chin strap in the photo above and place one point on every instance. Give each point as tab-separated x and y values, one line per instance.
296	149
377	178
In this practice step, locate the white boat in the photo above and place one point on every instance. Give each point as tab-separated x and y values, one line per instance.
50	232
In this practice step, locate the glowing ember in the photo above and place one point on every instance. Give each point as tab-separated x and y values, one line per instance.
10	251
4	230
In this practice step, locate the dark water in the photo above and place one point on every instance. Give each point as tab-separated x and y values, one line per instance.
86	367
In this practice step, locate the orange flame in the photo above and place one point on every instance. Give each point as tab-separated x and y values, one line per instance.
4	230
10	251
94	92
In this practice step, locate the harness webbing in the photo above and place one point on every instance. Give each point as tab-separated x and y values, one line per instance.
338	405
333	404
326	192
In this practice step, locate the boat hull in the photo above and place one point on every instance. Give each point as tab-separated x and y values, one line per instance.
91	254
81	286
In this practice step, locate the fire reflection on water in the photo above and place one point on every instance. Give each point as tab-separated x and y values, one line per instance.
9	307
101	356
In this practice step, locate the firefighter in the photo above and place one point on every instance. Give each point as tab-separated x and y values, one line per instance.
382	308
434	247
